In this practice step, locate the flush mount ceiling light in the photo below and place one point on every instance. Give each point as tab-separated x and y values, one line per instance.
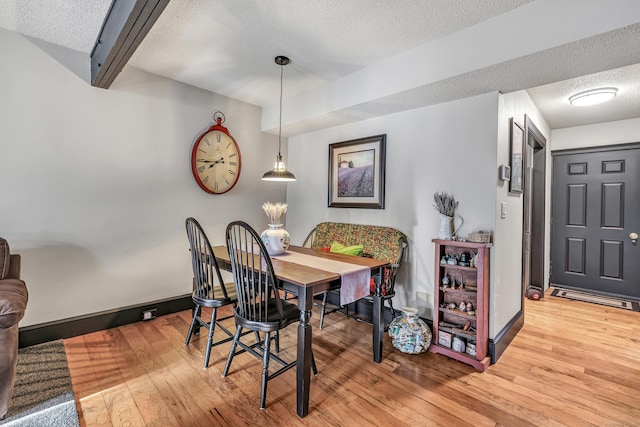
279	172
593	96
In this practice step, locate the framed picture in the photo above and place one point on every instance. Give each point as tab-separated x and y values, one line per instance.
356	173
517	152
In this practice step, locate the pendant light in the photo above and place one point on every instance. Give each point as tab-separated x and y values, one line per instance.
279	172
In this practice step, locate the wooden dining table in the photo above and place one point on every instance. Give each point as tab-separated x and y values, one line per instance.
306	282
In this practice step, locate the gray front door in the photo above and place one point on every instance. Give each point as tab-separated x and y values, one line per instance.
595	212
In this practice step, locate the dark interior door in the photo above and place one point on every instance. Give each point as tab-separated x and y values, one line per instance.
595	215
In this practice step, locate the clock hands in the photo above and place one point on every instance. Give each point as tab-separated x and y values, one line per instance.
215	162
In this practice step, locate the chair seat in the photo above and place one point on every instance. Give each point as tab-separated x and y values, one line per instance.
384	297
231	293
273	322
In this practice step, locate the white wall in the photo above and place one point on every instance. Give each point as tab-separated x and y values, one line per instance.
448	147
608	133
97	183
507	251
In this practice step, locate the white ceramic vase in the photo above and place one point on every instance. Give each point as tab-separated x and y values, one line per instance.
276	239
446	227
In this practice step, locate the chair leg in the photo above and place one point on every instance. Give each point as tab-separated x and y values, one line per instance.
313	364
232	352
265	370
324	307
277	341
393	312
196	329
193	322
212	327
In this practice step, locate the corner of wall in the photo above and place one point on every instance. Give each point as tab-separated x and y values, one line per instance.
506	261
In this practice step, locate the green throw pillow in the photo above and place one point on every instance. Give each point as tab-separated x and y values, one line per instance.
347	250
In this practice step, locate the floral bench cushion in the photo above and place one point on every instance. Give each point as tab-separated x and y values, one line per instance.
384	243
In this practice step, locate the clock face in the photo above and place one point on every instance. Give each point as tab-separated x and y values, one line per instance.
216	162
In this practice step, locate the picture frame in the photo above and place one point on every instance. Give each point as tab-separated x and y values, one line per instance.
357	173
517	157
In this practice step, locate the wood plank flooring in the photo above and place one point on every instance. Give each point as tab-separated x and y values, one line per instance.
573	364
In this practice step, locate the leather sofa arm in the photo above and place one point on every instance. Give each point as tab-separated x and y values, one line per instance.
14	266
13	301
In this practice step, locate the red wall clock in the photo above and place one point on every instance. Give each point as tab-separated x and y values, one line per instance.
215	159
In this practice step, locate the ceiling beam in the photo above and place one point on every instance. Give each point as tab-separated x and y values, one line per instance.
125	26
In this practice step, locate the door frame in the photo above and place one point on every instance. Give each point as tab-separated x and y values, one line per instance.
534	195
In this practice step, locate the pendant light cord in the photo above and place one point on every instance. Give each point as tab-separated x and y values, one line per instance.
280	128
279	171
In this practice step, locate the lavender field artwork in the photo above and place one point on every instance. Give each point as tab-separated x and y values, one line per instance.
356	173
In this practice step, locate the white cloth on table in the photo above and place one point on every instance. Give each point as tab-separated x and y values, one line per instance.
355	279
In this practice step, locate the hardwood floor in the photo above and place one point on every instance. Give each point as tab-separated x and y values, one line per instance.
573	363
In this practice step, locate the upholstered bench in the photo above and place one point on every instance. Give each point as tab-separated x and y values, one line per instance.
13	302
379	242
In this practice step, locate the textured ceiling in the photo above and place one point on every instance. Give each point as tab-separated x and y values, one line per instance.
70	23
554	98
232	44
228	46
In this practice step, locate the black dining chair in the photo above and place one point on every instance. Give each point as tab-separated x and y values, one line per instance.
260	307
209	290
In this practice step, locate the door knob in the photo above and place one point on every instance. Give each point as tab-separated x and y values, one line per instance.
633	237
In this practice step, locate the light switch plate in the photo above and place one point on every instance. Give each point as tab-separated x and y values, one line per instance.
503	210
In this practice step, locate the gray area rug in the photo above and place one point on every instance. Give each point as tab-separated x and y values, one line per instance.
596	299
42	395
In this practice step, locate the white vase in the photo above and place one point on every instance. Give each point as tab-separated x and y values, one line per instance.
276	239
446	227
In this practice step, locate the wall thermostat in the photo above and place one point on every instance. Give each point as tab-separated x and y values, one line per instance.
505	172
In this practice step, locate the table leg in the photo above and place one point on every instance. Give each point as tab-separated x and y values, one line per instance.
378	320
303	366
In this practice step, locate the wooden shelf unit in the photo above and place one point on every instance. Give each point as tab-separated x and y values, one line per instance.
475	290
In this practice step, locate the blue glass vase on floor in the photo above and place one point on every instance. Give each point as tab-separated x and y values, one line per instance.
409	333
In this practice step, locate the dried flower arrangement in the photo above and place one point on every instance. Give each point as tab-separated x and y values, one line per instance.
445	203
275	211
